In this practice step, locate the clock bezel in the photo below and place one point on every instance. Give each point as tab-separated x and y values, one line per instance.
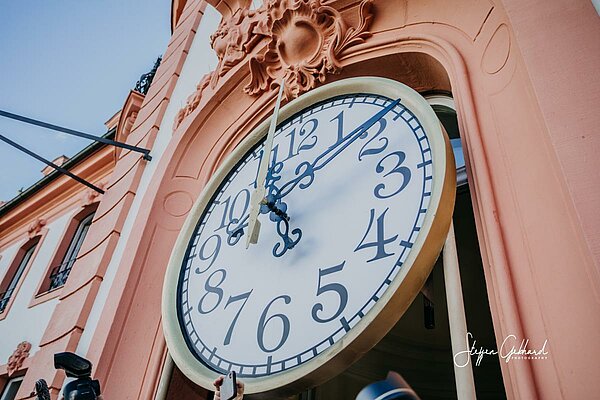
396	299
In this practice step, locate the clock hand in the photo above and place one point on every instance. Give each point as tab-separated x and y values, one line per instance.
267	198
307	169
272	202
277	209
258	195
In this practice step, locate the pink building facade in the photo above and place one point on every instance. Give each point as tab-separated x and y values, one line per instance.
521	80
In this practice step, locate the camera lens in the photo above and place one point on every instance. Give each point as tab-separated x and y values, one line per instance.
80	390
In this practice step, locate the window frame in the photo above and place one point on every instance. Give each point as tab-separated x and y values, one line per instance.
447	101
45	291
11	381
8	286
70	256
37	241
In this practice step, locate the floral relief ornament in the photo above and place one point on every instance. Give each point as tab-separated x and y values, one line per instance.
236	37
36	227
305	40
192	101
15	361
91	196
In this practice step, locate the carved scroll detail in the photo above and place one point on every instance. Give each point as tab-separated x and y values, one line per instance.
305	41
35	227
15	361
192	101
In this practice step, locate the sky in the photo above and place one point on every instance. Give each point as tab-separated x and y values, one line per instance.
71	63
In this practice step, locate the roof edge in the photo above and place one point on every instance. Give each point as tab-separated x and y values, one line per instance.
44	181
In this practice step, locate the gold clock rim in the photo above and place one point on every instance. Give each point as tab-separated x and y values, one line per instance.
396	299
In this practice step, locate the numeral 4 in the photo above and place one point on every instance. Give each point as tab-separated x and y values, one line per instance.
380	241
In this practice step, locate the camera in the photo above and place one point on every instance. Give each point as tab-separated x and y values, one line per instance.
82	388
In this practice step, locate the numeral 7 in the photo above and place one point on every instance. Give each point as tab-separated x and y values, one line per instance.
233	299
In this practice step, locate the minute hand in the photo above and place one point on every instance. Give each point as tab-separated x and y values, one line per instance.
305	170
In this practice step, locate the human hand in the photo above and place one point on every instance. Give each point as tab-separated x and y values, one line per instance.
219	381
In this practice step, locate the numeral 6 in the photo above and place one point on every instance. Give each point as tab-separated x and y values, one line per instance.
262	324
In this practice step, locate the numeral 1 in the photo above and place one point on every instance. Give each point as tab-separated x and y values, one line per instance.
340	126
229	212
259	158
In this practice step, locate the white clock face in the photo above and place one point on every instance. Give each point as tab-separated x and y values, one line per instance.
358	204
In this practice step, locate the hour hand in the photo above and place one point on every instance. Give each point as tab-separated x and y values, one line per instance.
253	222
259	193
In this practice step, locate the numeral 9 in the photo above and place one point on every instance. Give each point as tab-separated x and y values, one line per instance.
212	256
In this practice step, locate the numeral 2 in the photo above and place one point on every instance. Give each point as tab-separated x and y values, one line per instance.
304	134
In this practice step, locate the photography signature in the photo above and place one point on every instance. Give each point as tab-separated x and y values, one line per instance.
509	350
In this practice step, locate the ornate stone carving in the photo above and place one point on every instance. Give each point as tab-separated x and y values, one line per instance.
35	227
306	39
15	361
237	36
192	101
90	196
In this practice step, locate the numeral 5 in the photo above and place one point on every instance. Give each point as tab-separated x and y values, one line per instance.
330	287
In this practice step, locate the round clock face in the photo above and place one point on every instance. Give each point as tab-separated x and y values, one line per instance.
353	184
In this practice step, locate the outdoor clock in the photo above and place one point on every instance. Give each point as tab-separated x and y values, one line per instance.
359	194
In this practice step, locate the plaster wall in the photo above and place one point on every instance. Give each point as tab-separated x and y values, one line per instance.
21	322
565	80
201	59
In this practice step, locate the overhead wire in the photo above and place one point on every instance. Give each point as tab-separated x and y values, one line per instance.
73	132
51	164
31	121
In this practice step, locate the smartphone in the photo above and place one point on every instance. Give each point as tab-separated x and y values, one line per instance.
229	387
